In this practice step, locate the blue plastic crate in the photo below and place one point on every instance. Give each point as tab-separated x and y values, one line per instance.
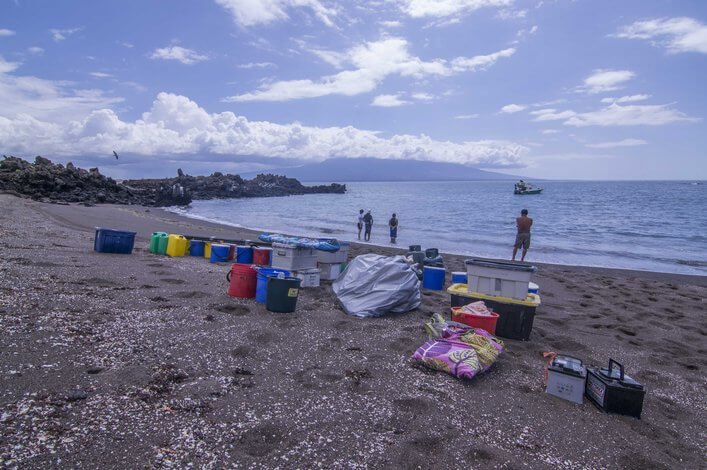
113	241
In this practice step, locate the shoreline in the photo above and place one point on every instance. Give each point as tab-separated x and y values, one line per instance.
148	356
671	267
220	229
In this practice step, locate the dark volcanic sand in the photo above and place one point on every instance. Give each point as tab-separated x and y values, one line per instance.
119	361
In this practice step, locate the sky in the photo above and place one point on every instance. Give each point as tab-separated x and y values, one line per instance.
583	89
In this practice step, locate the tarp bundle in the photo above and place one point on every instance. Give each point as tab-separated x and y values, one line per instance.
375	285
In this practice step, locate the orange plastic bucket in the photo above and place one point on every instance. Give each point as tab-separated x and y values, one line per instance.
484	322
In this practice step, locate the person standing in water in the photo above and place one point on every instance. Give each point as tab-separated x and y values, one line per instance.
523	223
393	225
368	222
360	223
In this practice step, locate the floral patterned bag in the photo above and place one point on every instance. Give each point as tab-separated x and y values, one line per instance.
457	349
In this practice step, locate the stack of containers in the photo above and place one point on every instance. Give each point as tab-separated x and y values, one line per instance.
503	286
300	261
332	264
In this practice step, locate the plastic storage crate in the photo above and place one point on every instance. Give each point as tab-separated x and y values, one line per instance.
340	256
499	278
293	258
113	241
516	317
330	271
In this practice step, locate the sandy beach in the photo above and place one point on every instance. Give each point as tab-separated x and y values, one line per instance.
117	361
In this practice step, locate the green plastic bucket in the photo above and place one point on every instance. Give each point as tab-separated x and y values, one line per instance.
281	294
154	241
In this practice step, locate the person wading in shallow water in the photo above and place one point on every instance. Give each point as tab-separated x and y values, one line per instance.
368	221
523	236
393	225
360	223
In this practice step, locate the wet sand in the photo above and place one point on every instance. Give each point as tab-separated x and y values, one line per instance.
119	361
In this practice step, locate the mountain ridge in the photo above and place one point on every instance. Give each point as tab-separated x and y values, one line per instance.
376	169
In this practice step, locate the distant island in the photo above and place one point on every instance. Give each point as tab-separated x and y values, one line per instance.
54	182
378	169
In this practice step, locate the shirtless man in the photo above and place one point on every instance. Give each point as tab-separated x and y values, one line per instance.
523	237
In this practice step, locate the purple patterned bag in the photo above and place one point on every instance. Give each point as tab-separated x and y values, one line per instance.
460	352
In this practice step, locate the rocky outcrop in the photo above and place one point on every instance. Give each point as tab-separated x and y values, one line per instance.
220	186
44	180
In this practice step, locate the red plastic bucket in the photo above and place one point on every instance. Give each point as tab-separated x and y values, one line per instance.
242	281
484	322
261	256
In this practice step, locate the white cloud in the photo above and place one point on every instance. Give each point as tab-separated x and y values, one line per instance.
35	50
248	13
422	96
480	62
372	62
620	143
444	8
101	75
533	30
391	24
6	67
256	65
602	81
178	53
388	101
512	108
631	115
467	116
61	34
674	34
47	117
128	45
45	100
6	32
509	14
626	99
551	114
550	131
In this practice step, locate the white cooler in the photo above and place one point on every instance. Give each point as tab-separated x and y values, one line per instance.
340	256
330	271
310	277
499	278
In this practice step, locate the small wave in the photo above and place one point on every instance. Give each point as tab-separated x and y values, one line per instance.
691	262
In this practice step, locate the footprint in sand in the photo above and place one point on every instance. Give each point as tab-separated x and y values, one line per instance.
171	280
232	309
241	351
191	295
264	439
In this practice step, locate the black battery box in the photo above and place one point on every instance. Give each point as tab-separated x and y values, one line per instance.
613	391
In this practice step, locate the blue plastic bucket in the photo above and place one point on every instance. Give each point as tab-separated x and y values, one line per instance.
244	254
196	248
533	288
219	253
262	281
433	278
459	277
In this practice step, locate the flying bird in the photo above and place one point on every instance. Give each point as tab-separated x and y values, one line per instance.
116	155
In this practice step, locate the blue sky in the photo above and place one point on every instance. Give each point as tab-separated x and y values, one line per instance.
585	89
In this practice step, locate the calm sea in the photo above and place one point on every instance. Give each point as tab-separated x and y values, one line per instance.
654	226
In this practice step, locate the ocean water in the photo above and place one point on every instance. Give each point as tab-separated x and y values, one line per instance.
653	226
